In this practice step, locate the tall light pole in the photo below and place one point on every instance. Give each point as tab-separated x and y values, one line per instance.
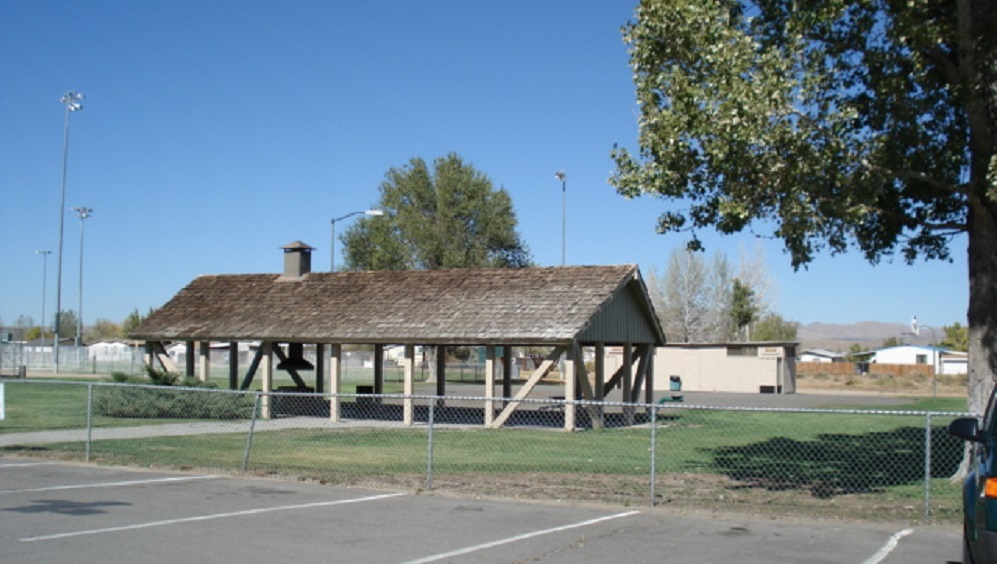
44	253
73	102
83	213
332	247
560	175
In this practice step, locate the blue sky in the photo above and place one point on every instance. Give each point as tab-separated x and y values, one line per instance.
215	132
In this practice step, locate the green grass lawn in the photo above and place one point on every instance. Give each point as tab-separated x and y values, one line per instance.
840	464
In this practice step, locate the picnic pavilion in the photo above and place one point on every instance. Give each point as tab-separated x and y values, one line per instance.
566	308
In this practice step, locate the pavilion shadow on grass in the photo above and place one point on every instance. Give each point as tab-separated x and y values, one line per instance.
566	308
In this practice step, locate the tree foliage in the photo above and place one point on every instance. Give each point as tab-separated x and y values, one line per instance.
700	301
103	329
445	216
743	309
826	124
772	327
956	337
692	297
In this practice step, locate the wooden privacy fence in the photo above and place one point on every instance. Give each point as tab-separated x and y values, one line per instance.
863	368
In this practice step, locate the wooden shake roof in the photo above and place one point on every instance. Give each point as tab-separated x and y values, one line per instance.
525	306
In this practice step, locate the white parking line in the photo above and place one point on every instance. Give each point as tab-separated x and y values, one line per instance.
516	538
889	547
208	517
19	464
108	484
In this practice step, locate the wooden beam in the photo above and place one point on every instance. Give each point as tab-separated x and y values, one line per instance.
253	366
639	376
293	373
531	382
158	355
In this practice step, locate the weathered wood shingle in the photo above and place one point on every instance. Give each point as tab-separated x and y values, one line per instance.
482	306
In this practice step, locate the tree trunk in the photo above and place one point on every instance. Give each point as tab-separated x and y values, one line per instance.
982	312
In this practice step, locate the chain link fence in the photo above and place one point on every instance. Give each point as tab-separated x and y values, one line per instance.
879	465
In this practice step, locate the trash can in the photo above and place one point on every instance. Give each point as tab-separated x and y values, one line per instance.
675	383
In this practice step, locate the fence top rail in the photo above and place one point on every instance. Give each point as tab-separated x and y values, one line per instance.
535	401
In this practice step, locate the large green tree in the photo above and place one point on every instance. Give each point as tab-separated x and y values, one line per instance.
445	216
827	123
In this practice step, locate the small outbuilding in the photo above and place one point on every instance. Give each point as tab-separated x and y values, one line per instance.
566	308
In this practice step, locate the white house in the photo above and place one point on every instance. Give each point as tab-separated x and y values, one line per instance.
944	361
110	351
820	355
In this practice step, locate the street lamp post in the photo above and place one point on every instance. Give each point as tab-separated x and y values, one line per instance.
73	102
332	246
560	175
83	213
44	253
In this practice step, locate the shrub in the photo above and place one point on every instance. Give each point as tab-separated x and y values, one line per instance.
171	402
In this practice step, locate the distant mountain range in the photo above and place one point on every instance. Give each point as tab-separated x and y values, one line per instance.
867	334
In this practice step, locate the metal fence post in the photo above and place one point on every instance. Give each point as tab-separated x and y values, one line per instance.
249	436
654	442
86	455
429	446
927	468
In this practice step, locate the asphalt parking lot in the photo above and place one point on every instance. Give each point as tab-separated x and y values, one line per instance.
66	512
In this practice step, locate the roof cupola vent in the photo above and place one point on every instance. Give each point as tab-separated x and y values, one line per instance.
297	259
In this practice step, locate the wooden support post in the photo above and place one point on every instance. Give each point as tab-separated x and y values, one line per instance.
649	378
233	365
581	375
506	372
320	368
266	363
188	358
537	375
600	372
157	355
489	385
640	374
570	385
378	369
204	361
408	405
335	380
628	378
441	370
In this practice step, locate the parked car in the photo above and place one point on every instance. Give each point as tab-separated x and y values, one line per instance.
979	489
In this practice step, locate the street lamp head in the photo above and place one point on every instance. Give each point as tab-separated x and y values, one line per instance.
560	175
374	212
82	212
73	101
43	252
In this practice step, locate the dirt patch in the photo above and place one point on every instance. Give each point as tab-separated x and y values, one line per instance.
914	385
